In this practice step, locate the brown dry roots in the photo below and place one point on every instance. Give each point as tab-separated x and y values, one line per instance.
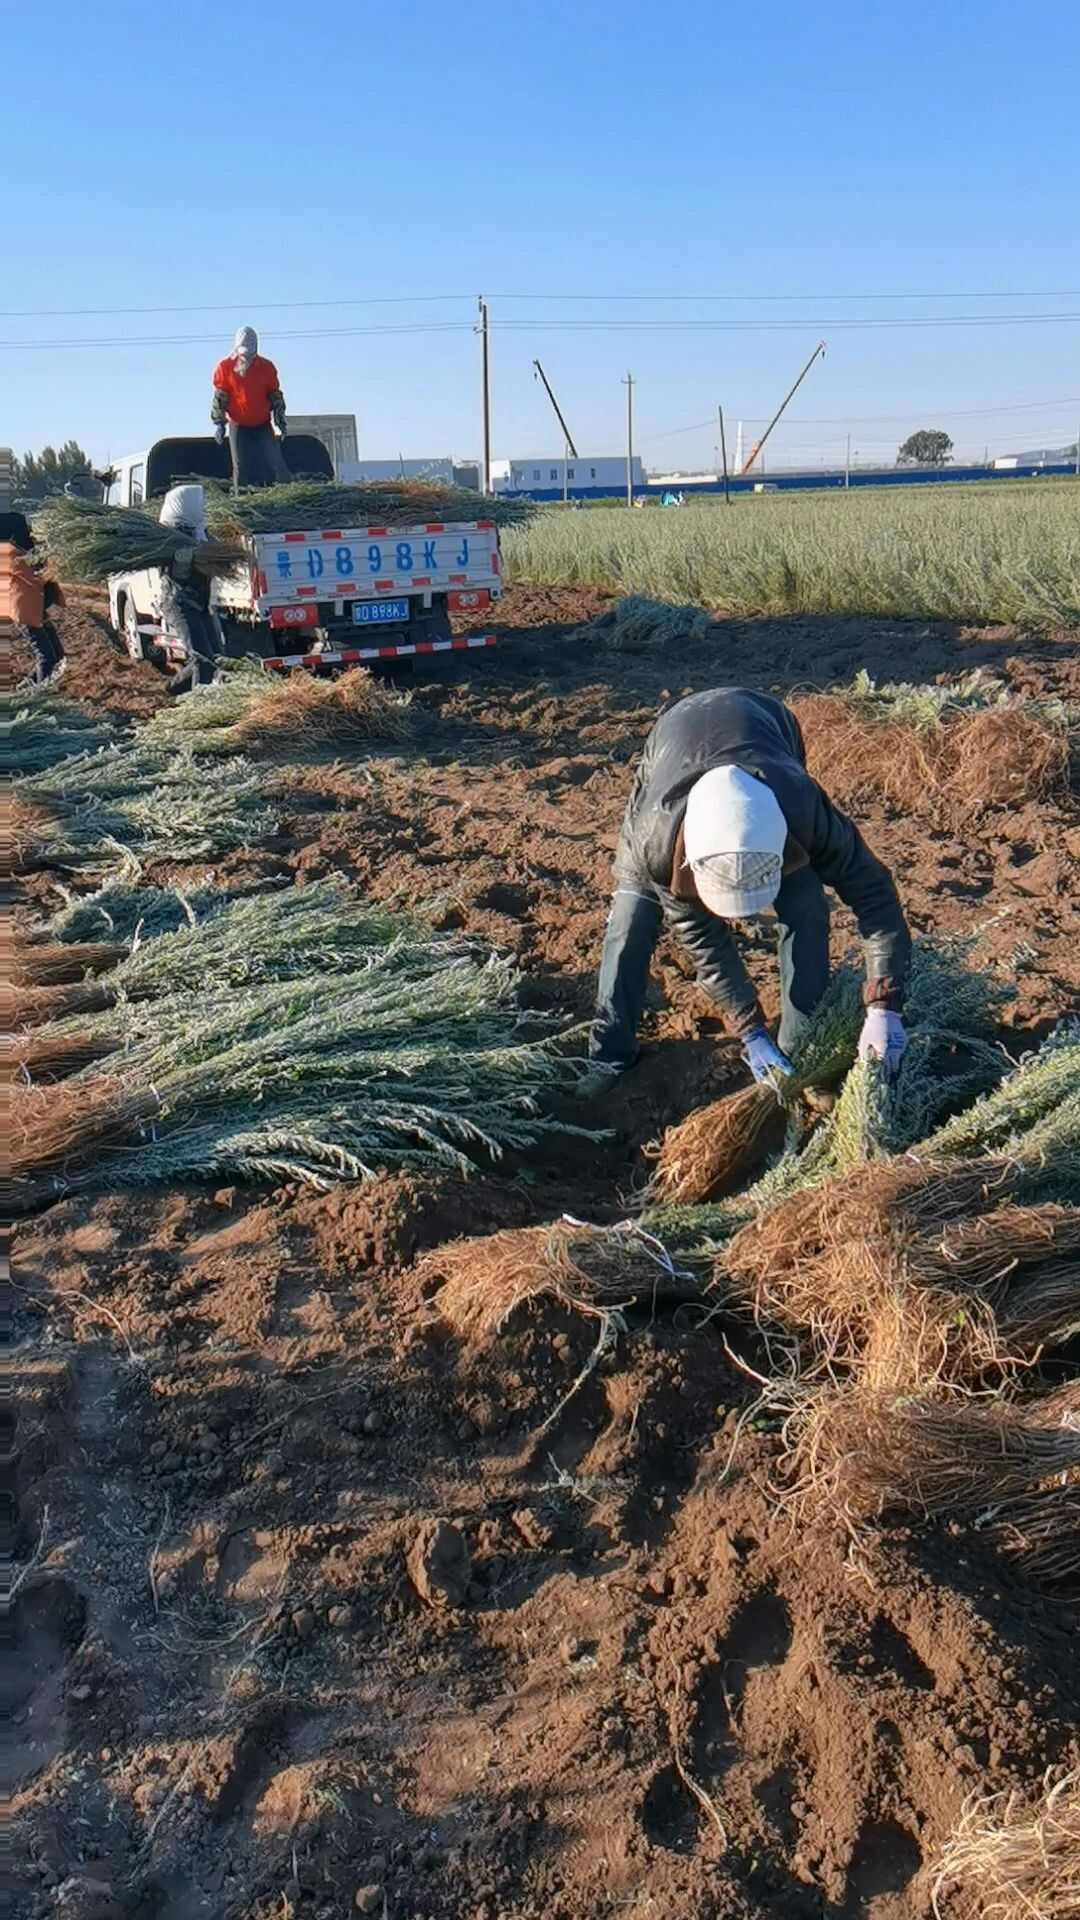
1012	1860
884	1272
715	1147
970	762
30	1056
324	711
32	1006
25	830
60	964
594	1268
863	1454
49	1129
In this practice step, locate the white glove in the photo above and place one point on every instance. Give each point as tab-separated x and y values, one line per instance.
883	1038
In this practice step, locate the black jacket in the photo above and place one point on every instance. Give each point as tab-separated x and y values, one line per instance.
731	726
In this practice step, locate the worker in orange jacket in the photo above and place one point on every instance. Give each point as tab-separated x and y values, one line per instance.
247	405
25	597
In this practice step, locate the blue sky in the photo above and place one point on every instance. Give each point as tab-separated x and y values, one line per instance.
771	165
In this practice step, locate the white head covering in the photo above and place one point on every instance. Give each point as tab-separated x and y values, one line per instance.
245	347
734	834
184	508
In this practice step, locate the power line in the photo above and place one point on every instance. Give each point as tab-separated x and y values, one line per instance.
915	322
881	419
427	299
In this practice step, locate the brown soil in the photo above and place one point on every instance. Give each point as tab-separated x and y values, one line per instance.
324	1609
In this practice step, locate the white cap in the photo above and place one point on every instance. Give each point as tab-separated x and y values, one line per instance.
184	509
734	834
246	342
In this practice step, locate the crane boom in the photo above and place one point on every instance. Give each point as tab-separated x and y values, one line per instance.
758	444
555	404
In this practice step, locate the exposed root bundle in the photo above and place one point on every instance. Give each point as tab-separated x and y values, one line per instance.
51	1129
963	747
592	1268
324	712
995	1248
715	1147
26	827
33	1006
1041	1535
59	965
1010	1859
1043	1312
51	1055
866	1454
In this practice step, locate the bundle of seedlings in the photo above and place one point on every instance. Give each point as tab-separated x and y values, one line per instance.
127	910
26	964
246	708
413	1059
44	730
26	829
87	541
305	506
482	1282
637	624
1033	1115
864	1453
1040	1533
1012	1858
124	802
950	1011
233	942
967	745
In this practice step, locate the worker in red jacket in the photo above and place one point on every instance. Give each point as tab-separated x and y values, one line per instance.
247	398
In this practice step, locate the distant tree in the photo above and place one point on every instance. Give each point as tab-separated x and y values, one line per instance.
930	447
37	476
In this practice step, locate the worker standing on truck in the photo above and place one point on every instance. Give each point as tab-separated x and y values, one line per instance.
26	598
724	824
185	592
247	399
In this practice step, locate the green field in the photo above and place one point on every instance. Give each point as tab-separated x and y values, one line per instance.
1008	553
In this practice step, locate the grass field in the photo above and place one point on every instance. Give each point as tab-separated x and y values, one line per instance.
1010	554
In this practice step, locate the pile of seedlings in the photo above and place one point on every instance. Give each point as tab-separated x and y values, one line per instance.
637	624
299	1036
244	710
958	748
87	541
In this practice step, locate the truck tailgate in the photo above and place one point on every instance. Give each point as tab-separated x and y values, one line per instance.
374	562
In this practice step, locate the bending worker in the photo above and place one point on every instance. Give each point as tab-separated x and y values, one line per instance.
724	824
247	398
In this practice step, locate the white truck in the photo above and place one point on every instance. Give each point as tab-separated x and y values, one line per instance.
334	597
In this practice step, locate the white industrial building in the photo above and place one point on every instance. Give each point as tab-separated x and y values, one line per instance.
337	431
355	471
549	472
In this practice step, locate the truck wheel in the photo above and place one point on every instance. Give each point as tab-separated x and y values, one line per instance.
132	638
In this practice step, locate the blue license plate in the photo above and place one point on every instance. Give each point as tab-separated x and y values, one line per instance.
380	613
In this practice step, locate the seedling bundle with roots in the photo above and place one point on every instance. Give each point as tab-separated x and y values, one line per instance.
103	808
87	541
864	1454
43	731
960	747
482	1282
1014	1859
640	625
297	1036
950	1012
303	505
246	709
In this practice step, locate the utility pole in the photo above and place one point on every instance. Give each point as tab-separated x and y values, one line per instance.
485	378
1078	449
723	451
847	463
628	383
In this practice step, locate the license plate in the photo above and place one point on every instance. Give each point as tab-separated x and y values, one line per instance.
380	613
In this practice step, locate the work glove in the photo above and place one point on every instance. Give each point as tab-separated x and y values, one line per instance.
282	430
219	433
764	1058
883	1038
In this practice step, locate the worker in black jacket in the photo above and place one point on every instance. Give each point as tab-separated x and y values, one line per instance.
723	825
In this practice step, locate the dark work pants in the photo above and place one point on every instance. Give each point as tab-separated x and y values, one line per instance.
257	459
188	612
48	651
633	928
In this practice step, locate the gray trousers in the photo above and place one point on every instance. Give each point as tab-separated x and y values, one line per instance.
633	928
257	459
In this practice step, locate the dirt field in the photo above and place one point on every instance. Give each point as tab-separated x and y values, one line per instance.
319	1611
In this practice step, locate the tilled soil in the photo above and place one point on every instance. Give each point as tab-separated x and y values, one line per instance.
321	1609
